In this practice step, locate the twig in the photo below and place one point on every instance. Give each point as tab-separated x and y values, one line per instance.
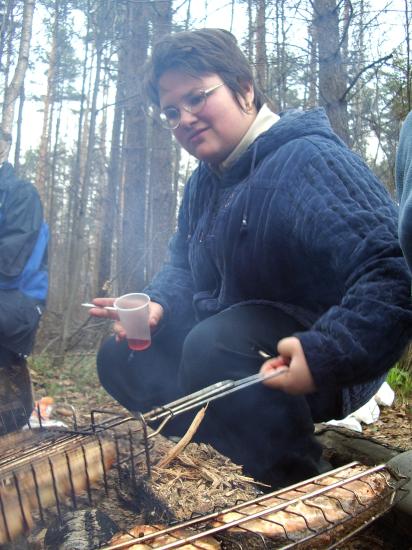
185	439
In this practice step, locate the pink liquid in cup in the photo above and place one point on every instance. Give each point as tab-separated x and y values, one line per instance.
133	311
137	344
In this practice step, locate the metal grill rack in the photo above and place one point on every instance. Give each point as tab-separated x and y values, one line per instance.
44	472
47	471
270	521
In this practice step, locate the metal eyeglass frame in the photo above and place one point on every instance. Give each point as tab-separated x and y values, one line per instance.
201	95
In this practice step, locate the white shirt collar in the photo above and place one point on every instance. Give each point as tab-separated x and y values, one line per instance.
263	121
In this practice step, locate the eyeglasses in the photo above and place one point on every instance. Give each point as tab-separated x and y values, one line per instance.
193	103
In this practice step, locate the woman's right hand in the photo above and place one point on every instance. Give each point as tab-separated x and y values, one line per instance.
156	313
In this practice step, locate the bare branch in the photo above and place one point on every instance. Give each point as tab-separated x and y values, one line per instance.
379	61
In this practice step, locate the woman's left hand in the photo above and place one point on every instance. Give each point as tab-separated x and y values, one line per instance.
297	378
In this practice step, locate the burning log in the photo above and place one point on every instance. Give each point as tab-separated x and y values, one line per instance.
80	529
35	479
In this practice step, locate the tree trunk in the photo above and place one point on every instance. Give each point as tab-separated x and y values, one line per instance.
13	89
43	162
110	207
80	217
408	54
249	31
161	200
261	58
283	68
332	74
17	146
312	78
132	257
76	174
7	27
359	130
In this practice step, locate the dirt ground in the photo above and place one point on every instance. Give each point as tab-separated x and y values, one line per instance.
78	387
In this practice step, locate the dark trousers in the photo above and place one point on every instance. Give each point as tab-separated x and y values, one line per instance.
267	431
16	397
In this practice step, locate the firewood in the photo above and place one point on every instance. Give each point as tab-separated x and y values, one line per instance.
48	481
343	446
80	529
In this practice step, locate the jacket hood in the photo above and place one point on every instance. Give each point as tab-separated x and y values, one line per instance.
292	125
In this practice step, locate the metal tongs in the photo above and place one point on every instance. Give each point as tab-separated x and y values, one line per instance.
203	396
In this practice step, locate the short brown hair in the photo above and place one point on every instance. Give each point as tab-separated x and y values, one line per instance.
200	52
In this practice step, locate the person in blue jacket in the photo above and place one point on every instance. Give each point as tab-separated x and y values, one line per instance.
23	287
286	244
404	188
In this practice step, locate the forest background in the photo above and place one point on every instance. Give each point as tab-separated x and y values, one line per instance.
111	178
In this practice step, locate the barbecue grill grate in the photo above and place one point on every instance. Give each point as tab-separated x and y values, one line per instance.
47	471
330	508
52	470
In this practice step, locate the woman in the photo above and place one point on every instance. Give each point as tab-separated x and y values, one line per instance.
286	244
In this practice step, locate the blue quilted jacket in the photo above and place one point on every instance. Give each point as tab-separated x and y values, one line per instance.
404	188
298	221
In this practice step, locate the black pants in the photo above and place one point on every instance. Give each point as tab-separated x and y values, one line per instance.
267	431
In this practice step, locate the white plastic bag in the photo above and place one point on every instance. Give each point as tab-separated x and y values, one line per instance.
349	422
385	396
368	413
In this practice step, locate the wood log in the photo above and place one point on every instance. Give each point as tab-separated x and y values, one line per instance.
47	481
342	446
80	529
